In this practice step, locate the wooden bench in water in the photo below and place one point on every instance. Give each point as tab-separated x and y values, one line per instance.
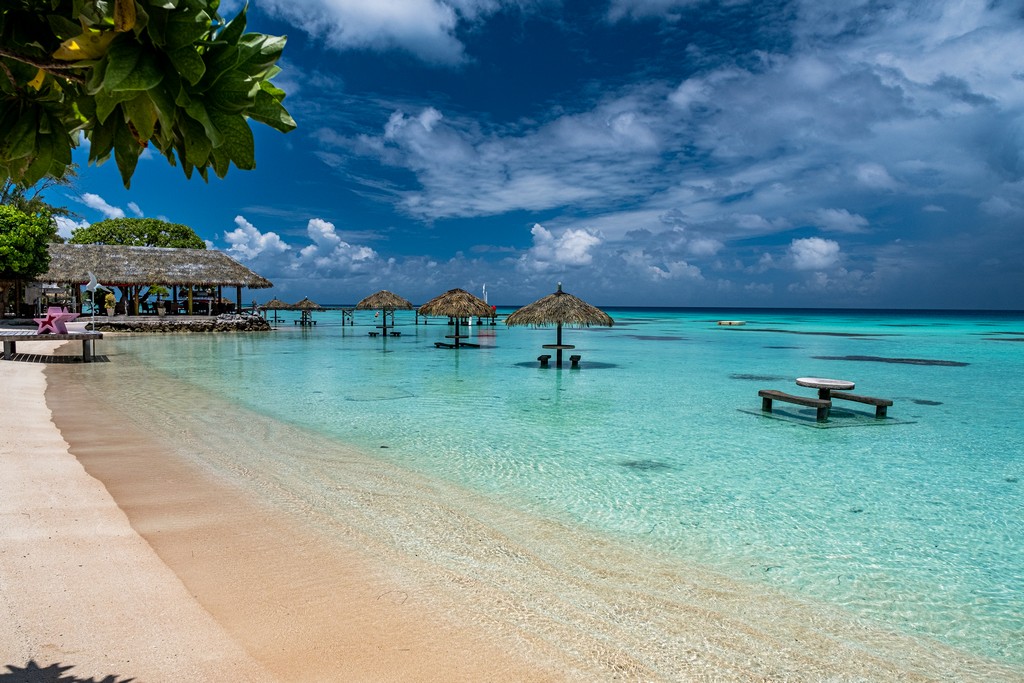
881	404
10	339
769	395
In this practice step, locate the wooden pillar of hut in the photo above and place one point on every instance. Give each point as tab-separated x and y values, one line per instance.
189	309
238	300
135	300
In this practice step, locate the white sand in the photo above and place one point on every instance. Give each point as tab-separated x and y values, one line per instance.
78	586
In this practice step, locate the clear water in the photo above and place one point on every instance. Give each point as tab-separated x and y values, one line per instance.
914	522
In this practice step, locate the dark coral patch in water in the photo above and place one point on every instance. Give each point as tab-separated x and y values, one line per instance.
783	347
646	465
907	361
758	378
1009	339
817	334
925	402
652	337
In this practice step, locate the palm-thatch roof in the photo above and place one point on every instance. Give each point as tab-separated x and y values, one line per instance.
306	305
457	303
276	304
560	308
385	301
126	266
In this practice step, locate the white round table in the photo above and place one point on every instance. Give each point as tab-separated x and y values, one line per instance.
825	386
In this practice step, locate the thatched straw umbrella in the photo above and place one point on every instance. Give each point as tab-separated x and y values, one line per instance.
307	306
457	303
384	301
560	308
276	305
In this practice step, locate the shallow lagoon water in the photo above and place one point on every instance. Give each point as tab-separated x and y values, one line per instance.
912	522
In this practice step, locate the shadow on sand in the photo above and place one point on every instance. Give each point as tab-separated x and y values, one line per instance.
55	673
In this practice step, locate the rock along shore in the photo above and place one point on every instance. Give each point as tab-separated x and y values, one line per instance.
182	325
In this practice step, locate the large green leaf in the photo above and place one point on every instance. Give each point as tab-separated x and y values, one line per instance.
267	109
42	161
186	26
126	152
235	92
122	59
197	144
18	141
238	141
107	101
142	114
188	62
130	67
234	28
198	111
101	140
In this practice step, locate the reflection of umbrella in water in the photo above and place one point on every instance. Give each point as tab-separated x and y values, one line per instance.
384	301
559	309
458	304
276	305
307	307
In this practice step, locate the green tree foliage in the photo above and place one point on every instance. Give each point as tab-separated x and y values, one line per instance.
139	232
23	252
30	199
130	73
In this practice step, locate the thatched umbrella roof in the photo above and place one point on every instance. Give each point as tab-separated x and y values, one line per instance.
384	301
276	304
560	308
457	303
128	266
306	305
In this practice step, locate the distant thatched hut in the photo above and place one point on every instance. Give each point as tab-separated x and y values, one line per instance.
559	308
386	302
136	267
457	304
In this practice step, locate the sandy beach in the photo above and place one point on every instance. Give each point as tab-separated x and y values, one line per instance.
120	559
87	586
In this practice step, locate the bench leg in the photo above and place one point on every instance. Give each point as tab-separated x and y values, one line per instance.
766	405
822	413
880	411
9	350
87	350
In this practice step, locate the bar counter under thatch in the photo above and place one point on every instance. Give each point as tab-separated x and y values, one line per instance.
136	267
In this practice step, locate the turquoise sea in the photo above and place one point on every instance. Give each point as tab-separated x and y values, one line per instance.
914	523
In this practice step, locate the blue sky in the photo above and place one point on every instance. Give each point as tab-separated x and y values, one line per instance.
647	152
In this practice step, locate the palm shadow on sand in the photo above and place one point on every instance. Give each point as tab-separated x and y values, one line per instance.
55	673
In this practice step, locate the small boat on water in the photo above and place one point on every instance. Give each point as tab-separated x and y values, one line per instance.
732	322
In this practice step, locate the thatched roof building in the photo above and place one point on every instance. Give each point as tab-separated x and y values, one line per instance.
560	308
130	266
306	304
384	300
457	303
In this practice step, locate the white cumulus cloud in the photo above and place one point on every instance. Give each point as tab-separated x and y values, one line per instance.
94	201
840	220
247	242
571	248
814	253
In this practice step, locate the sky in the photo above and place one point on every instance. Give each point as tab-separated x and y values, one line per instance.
763	153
